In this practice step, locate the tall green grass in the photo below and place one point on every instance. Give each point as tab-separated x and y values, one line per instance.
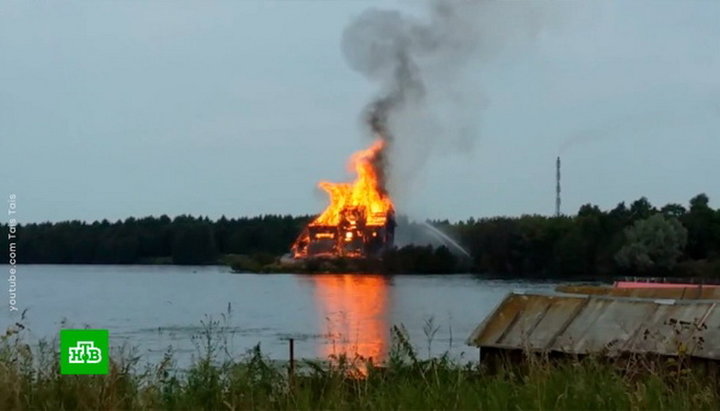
30	379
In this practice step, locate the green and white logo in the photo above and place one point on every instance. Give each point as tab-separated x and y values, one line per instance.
84	352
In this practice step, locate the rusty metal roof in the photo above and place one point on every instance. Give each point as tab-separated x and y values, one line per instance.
679	293
584	324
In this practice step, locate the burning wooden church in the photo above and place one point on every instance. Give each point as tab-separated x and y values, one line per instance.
359	222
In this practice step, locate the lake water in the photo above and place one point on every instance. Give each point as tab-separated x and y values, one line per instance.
156	307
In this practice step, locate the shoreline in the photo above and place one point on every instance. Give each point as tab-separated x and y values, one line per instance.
539	277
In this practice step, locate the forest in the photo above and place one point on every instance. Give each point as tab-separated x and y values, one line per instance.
638	239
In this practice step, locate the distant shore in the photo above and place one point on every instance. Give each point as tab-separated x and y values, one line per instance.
638	239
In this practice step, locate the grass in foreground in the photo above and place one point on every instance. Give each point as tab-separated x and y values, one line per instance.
29	379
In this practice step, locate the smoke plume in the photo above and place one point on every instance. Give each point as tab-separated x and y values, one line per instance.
427	101
584	137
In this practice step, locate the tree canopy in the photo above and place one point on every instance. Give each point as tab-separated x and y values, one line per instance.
639	239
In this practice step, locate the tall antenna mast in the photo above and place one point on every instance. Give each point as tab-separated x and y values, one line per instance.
557	188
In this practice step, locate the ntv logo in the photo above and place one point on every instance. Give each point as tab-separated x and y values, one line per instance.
84	352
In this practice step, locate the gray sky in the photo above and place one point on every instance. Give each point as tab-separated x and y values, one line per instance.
117	109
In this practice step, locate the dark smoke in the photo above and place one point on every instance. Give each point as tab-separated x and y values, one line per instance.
426	102
383	45
407	85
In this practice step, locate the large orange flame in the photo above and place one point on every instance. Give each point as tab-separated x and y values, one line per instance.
365	192
359	220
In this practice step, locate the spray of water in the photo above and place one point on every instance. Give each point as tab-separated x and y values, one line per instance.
445	238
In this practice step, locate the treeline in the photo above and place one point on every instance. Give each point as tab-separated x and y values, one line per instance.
635	239
639	239
181	240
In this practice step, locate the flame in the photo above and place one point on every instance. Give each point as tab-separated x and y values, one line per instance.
364	193
359	221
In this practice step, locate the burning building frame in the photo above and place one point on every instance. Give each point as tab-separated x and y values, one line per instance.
359	222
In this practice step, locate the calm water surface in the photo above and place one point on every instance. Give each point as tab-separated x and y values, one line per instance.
156	307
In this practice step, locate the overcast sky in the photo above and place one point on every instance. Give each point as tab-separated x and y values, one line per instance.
117	109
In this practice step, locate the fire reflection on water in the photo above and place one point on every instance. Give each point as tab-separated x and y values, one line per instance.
353	308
